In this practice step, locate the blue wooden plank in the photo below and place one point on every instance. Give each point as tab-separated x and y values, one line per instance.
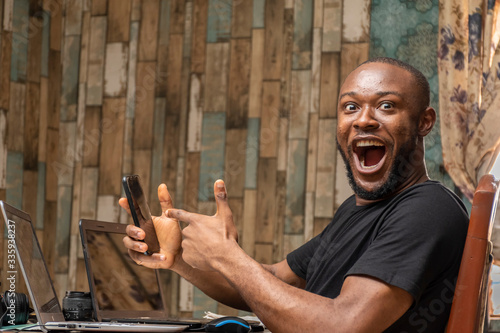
219	21
20	16
70	71
295	189
258	13
40	196
302	34
252	152
14	190
213	140
45	44
202	303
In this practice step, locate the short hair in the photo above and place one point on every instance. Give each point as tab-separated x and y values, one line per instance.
420	79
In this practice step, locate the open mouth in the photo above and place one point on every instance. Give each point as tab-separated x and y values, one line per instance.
369	153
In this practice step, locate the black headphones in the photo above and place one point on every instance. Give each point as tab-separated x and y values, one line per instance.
15	309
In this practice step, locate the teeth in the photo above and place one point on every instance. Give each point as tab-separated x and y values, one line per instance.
362	162
368	143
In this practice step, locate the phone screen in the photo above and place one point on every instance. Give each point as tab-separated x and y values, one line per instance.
140	212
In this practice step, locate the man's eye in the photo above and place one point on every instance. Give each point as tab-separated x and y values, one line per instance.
386	106
350	107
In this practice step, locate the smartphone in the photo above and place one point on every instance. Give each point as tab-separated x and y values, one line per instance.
140	212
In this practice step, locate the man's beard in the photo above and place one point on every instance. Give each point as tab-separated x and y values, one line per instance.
400	171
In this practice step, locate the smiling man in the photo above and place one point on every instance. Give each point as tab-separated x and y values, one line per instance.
389	259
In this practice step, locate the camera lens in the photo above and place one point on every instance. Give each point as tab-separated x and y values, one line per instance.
77	305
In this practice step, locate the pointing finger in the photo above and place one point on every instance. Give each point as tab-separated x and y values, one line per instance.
182	215
221	198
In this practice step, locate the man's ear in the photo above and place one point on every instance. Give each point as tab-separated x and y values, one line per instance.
426	121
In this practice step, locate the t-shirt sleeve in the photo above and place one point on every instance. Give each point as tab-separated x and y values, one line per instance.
421	238
299	259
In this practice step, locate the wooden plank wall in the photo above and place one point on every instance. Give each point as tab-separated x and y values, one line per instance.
182	92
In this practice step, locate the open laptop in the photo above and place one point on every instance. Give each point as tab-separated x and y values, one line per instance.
21	233
121	290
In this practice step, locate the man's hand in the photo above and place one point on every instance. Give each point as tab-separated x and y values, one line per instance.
167	230
208	239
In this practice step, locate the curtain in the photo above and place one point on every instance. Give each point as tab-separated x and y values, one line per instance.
469	88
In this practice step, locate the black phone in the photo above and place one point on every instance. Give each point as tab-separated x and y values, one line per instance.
140	212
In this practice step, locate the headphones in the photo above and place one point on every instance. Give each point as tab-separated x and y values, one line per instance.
15	309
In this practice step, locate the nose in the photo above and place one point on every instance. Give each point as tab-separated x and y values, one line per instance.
366	120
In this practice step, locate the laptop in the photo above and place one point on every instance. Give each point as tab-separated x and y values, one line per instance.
21	233
121	290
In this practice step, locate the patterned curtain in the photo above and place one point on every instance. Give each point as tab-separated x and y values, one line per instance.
469	86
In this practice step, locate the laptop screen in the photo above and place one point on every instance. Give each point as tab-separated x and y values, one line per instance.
120	284
21	233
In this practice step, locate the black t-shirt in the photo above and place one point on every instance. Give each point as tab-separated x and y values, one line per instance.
413	241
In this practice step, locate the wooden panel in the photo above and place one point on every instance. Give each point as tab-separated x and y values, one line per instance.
84	48
3	148
188	31
177	8
127	146
219	21
135	11
55	8
318	13
315	71
61	243
148	40
269	118
35	48
132	67
40	196
329	85
295	186
309	216
14	188
145	102
96	60
111	146
69	86
8	7
15	116
99	7
5	59
42	129
191	181
19	41
183	118
212	153
302	34
157	149
264	253
179	181
356	21
252	153
50	223
325	168
283	145
256	73
292	242
195	116
92	136
174	75
54	98
163	42
242	16
234	175
119	20
164	28
274	44
286	73
312	152
142	167
320	224
239	82
199	33
352	56
186	295
216	73
30	182
279	225
202	303
115	74
258	13
31	126
266	200
52	155
247	236
342	188
107	208
66	161
88	201
301	93
171	152
332	25
44	64
73	17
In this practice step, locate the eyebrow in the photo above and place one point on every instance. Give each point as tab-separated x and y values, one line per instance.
380	93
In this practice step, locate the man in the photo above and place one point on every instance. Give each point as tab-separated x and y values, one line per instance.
389	259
